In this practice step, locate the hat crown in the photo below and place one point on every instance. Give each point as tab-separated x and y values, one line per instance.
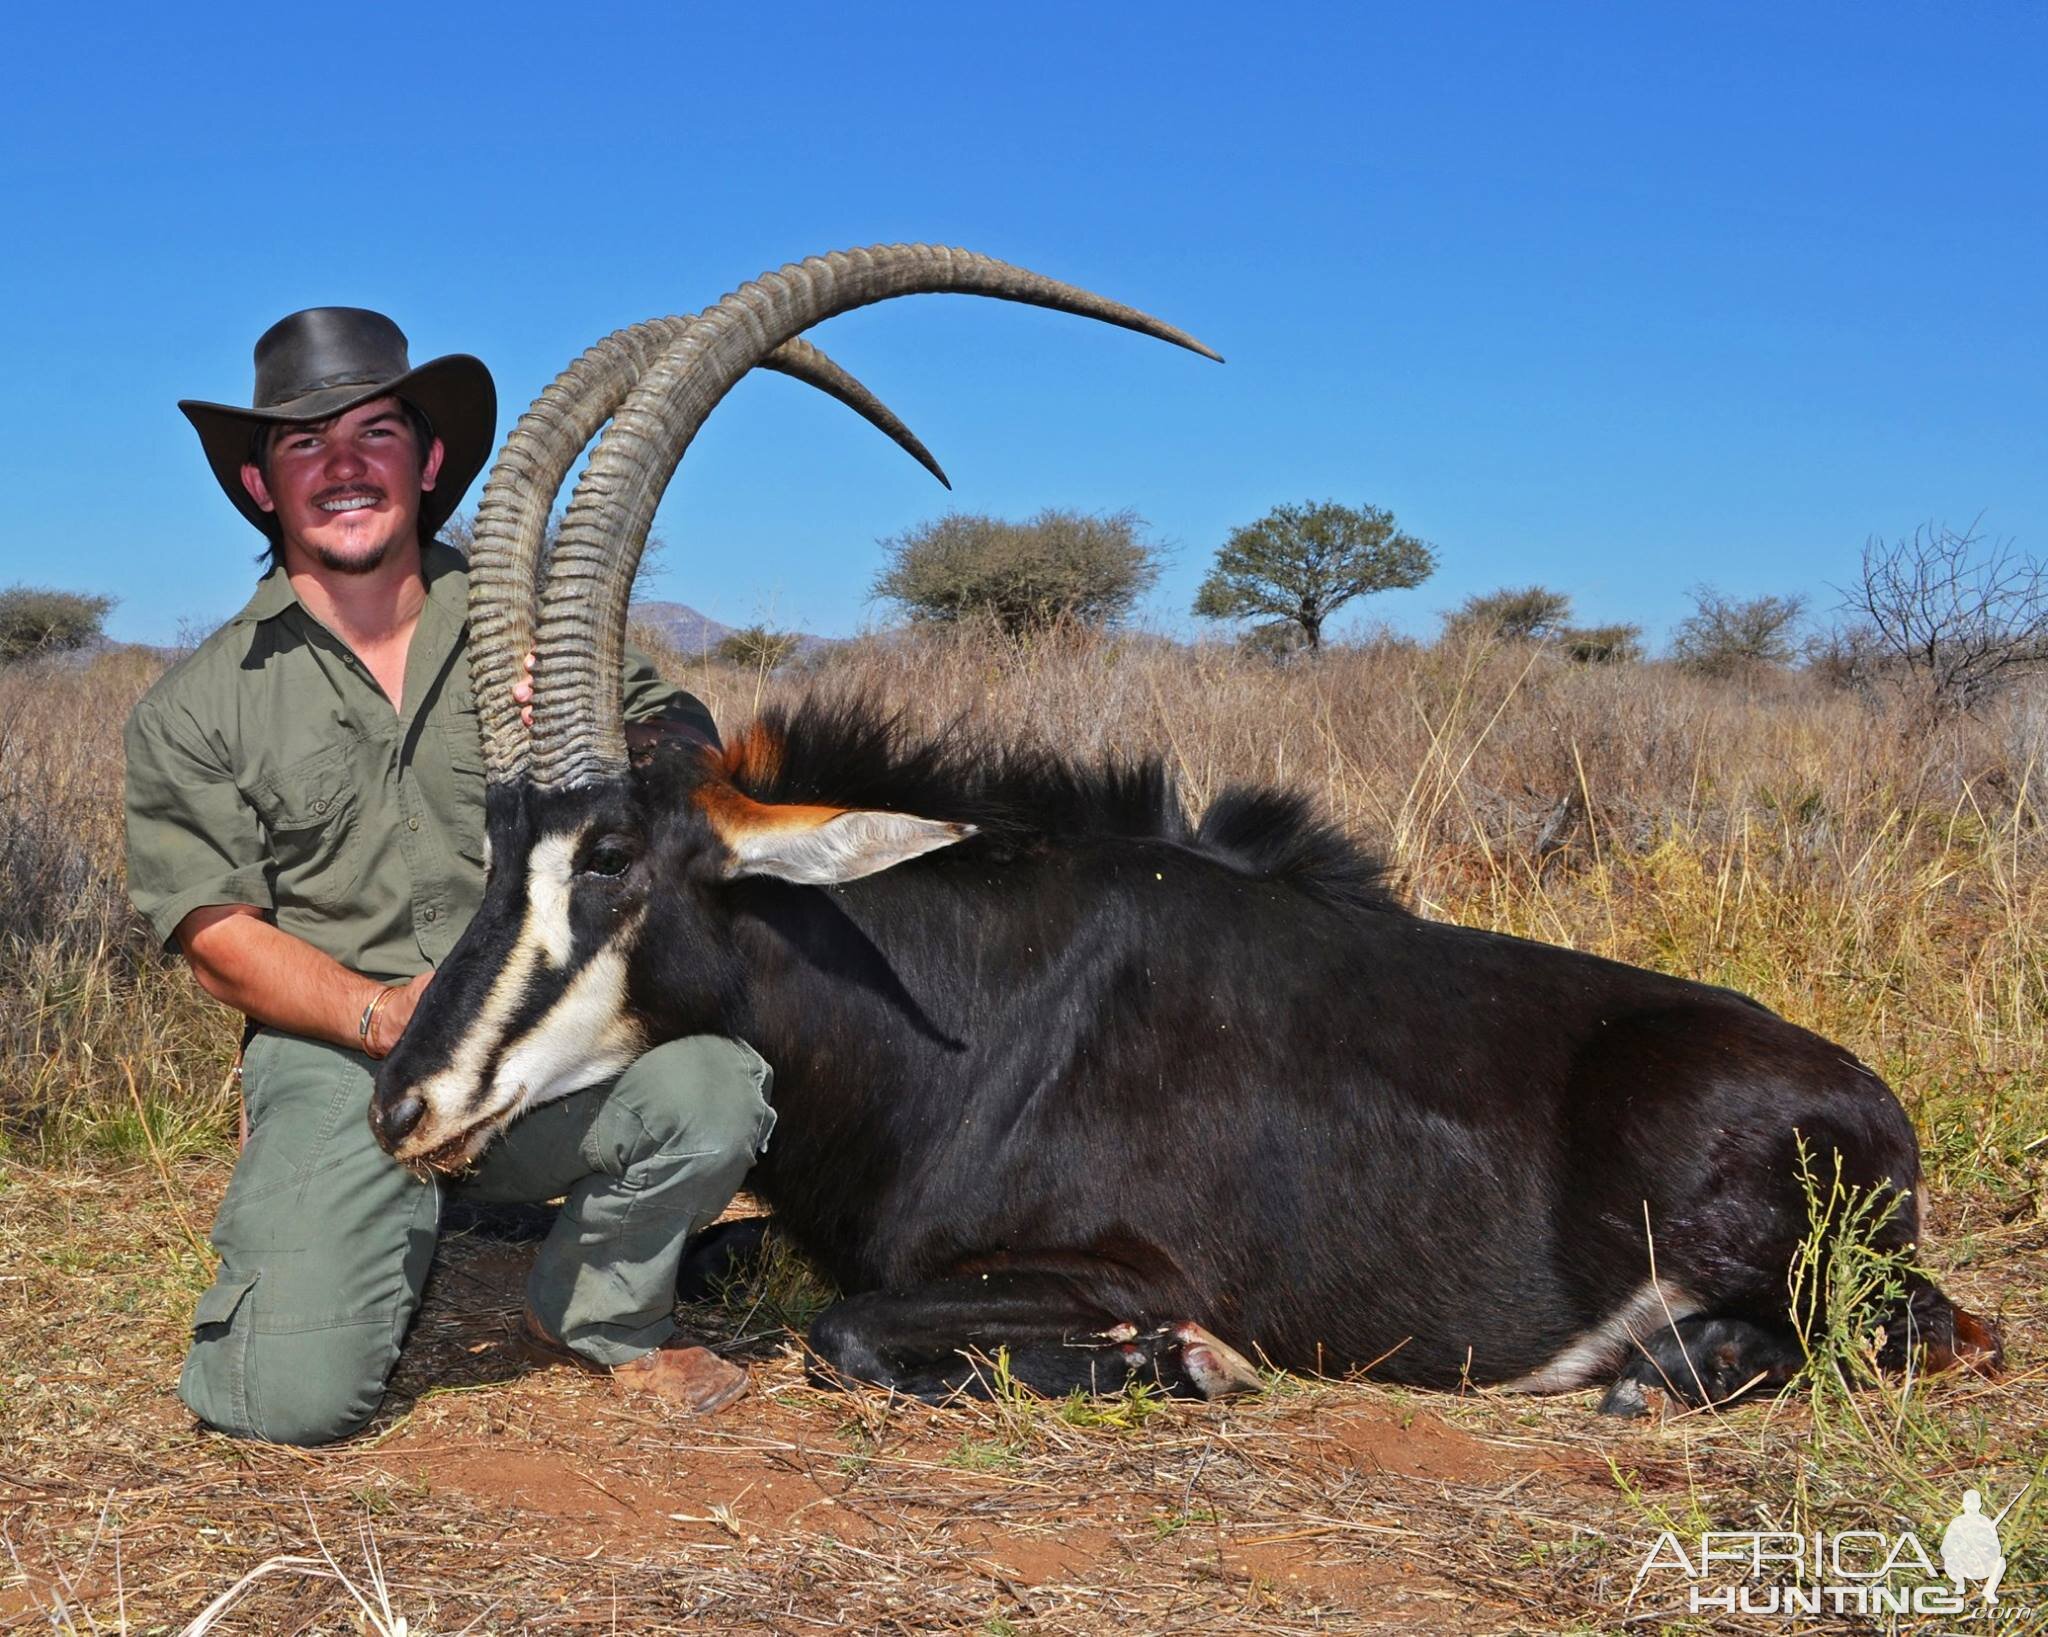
322	348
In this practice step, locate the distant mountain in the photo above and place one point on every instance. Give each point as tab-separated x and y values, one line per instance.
686	630
692	633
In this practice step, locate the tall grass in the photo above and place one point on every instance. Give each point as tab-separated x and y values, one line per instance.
1871	872
104	1046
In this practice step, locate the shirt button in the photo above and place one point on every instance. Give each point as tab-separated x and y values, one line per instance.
430	915
412	824
319	804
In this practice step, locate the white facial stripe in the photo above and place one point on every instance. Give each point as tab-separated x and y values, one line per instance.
544	934
448	1092
1595	1356
548	869
493	1018
583	1038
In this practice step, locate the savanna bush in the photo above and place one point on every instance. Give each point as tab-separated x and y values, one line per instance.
38	620
1057	567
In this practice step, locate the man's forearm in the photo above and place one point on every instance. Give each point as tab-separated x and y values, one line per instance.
284	982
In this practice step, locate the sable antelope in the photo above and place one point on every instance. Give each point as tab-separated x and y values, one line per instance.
1063	1071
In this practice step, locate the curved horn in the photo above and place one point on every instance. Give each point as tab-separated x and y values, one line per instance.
801	361
512	516
578	732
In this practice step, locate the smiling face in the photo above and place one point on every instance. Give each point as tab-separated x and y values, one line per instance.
346	492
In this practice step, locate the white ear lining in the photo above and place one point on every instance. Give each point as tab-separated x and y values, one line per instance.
845	848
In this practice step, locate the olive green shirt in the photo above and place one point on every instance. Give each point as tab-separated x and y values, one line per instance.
269	769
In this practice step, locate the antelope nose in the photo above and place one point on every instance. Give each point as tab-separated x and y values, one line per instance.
399	1119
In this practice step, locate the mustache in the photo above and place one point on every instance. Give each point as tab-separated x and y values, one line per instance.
349	491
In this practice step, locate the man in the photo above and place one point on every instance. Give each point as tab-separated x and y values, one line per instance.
305	823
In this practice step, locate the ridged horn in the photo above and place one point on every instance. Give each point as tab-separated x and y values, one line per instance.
512	516
578	732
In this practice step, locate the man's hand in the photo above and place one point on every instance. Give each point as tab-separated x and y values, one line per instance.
394	1014
522	690
641	737
266	974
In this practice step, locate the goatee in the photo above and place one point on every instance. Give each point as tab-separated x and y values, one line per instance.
330	558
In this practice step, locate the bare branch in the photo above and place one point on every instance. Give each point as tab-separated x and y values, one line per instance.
1964	614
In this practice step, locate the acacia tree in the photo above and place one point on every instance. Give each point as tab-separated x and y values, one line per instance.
1025	577
1299	564
1618	644
1530	613
756	647
1535	613
36	620
1725	637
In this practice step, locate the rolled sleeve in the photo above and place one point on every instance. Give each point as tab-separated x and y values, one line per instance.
648	698
193	839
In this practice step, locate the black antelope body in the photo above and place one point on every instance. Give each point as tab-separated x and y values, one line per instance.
1065	1071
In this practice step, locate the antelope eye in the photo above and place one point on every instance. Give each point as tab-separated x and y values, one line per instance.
608	857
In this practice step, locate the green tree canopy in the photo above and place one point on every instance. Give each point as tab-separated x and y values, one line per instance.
1023	576
37	620
1303	563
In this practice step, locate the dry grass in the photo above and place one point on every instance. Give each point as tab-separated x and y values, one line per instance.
1871	874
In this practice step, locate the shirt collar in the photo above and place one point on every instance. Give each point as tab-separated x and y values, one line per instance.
445	569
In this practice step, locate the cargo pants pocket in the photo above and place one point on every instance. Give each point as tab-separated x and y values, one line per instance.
215	1380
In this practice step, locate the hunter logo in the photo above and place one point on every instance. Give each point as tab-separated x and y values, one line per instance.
1852	1571
1969	1546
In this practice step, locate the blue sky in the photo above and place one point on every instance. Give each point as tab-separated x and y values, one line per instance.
1616	298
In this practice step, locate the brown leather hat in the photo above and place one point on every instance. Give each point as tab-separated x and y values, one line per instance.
324	361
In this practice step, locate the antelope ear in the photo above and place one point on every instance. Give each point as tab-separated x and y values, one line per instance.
819	846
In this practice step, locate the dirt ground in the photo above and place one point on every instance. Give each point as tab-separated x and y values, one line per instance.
491	1497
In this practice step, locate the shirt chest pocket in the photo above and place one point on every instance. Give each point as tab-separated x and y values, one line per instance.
311	816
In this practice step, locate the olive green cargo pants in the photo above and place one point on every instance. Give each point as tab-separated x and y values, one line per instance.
325	1241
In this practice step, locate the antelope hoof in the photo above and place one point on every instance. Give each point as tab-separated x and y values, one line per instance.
1632	1400
1213	1366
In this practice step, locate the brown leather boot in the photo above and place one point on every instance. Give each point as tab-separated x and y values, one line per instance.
679	1372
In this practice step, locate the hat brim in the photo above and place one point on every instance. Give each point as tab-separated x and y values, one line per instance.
455	393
